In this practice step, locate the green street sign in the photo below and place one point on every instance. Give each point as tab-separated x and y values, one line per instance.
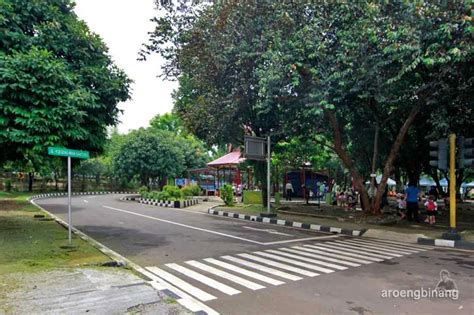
78	154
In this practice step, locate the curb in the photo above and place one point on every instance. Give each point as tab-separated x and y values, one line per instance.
163	203
307	226
446	243
49	195
160	285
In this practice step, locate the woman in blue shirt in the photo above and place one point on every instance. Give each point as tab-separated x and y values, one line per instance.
412	193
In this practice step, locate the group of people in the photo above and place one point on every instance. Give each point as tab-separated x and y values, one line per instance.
408	204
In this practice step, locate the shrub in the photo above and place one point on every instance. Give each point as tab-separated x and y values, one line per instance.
8	185
143	190
173	191
191	190
227	194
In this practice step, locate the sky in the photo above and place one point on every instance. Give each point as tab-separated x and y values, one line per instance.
123	26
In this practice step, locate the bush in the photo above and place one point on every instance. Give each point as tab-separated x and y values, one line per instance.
191	190
173	191
8	185
143	190
227	194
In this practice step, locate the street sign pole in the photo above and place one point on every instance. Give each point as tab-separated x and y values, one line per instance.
69	153
69	198
269	160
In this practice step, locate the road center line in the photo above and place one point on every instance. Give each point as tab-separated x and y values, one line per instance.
219	233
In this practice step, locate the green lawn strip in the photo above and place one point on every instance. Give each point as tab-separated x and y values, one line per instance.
29	245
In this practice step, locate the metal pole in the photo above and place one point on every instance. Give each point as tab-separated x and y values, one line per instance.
268	174
452	181
69	198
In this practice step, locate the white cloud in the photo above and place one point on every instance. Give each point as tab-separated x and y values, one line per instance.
123	25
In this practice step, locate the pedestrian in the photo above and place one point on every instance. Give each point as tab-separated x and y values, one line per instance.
434	192
412	193
305	193
431	209
289	190
401	206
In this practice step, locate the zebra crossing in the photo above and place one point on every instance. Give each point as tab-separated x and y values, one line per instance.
208	278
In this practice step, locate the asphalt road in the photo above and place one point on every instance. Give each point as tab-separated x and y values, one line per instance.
242	267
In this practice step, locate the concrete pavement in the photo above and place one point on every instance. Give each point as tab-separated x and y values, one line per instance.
237	267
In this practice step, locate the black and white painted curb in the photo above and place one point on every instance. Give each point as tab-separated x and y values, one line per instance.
163	203
163	287
446	243
313	227
63	194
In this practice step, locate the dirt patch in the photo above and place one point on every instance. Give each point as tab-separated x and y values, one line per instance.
9	205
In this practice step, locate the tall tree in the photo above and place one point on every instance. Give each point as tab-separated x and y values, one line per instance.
58	85
297	68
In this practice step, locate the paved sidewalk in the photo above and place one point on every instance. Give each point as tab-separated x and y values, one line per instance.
84	290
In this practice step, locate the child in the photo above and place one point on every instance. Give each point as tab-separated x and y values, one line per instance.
401	206
351	201
431	208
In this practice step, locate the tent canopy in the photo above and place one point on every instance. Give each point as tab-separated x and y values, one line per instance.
231	159
390	182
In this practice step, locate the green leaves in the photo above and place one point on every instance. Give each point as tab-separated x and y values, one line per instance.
58	85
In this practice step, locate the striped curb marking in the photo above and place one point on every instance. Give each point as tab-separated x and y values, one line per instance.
50	195
231	275
306	226
158	283
163	203
446	243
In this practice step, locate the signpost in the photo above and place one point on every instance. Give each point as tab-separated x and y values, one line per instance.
255	150
69	153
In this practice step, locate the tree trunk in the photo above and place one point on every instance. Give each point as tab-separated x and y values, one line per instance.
346	160
56	184
393	155
30	181
374	161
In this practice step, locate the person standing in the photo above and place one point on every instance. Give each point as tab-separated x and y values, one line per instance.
412	193
289	190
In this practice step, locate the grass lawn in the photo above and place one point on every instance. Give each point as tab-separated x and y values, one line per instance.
30	245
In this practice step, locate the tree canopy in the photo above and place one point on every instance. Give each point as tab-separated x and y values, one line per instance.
58	84
359	73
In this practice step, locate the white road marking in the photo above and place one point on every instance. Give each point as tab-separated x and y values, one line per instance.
294	262
382	247
246	272
302	252
366	249
86	201
313	261
301	240
388	242
266	230
279	265
394	246
206	280
243	282
185	225
219	233
255	266
357	250
342	252
200	294
333	253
